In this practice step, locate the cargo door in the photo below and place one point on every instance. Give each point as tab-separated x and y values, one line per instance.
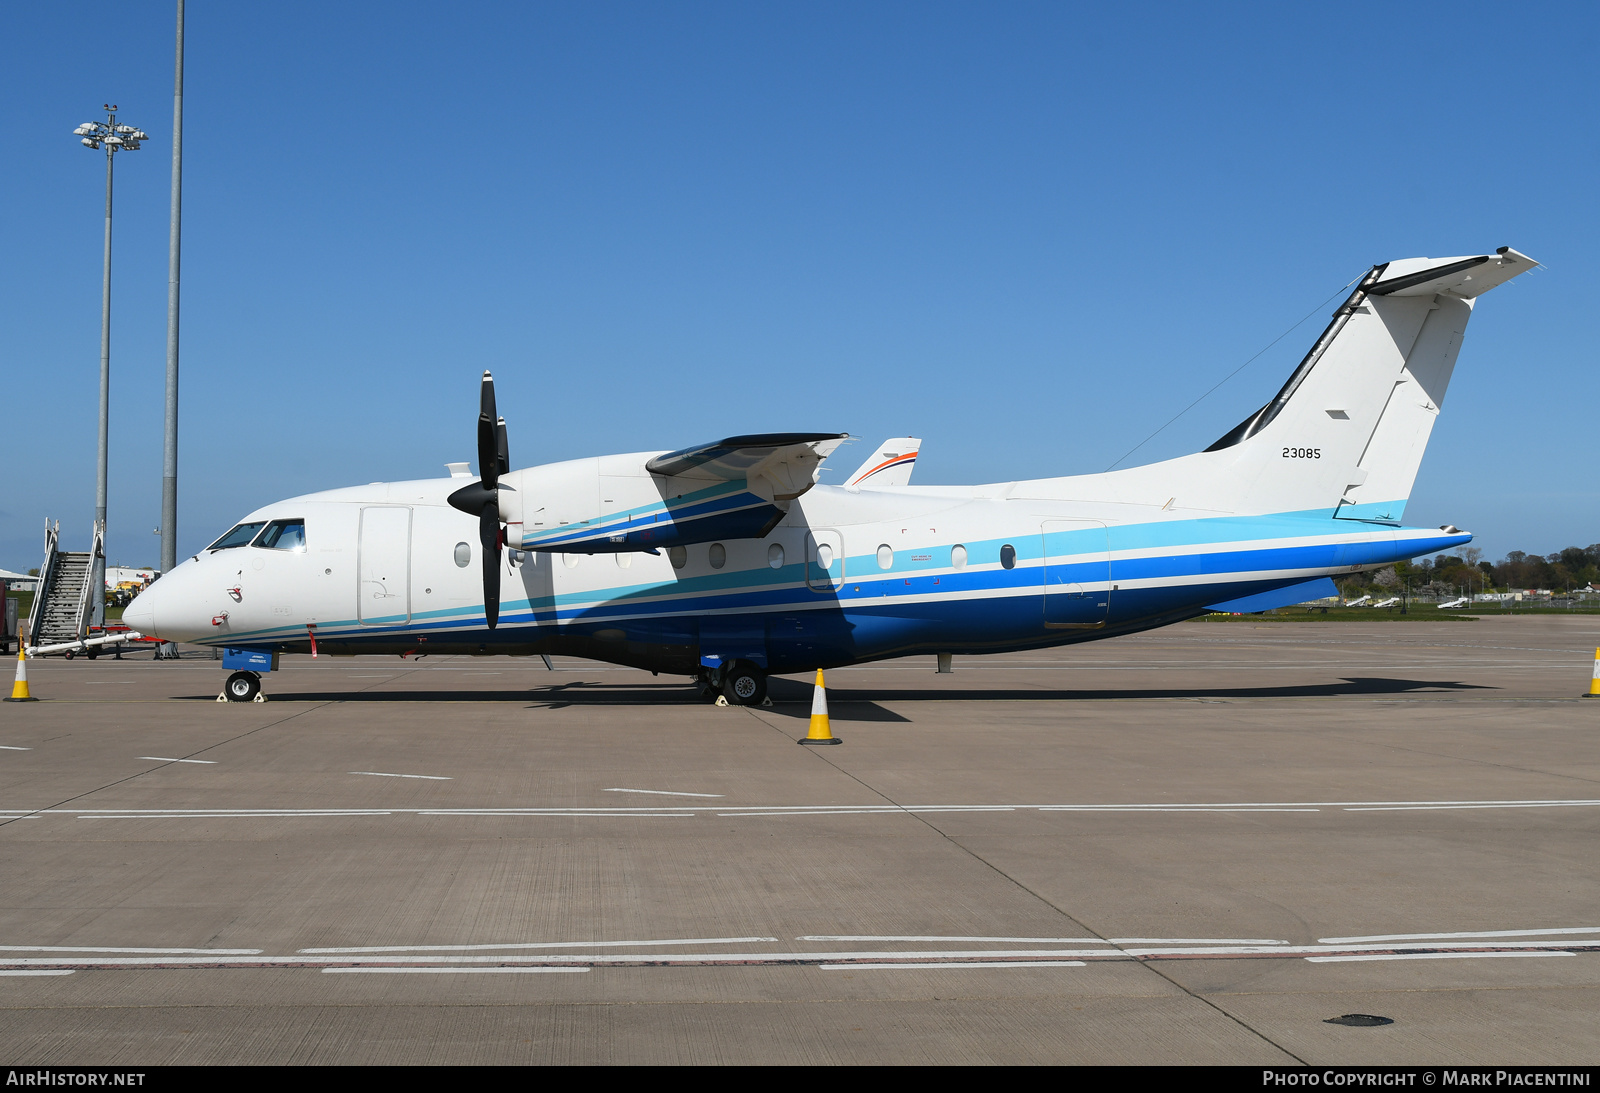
1077	574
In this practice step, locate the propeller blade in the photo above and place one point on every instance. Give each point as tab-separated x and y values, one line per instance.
503	450
489	538
489	446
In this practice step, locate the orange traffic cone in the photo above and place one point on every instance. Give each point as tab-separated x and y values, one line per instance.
19	689
1594	683
820	733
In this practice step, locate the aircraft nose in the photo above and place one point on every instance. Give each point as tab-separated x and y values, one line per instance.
141	613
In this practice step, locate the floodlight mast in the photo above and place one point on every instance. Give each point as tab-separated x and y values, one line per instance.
115	138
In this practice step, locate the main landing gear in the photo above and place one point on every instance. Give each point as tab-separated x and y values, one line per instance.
738	684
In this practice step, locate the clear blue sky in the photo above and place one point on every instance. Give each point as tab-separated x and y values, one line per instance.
1029	233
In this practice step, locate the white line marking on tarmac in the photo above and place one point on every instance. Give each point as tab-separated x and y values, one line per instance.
1446	937
539	945
1428	956
586	816
10	747
1450	808
285	815
165	759
381	774
950	937
662	792
39	971
662	811
437	971
1195	941
115	949
959	964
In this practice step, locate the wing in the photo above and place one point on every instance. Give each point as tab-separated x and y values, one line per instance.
778	466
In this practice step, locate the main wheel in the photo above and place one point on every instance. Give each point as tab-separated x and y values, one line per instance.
745	685
242	687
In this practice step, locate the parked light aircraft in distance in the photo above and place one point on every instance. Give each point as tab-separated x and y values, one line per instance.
1459	601
1390	602
1359	601
727	561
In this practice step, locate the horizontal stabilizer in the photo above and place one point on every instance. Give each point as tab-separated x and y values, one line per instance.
889	466
1469	276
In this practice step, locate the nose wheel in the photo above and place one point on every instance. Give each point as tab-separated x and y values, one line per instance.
242	687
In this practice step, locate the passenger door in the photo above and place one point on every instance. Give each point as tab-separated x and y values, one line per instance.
1077	574
383	567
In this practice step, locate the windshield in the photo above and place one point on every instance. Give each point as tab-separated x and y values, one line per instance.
238	537
284	535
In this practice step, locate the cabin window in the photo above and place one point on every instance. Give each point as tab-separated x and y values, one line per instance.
885	556
570	560
775	555
238	537
1008	556
678	556
718	555
624	560
463	555
284	535
958	556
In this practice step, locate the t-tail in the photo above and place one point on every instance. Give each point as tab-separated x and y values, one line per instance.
1347	431
1345	435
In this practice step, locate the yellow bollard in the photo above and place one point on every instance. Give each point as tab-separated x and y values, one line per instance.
820	733
19	689
1594	684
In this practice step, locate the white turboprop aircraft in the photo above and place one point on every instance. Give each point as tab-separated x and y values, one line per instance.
727	561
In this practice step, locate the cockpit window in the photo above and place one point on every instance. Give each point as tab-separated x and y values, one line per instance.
238	537
284	535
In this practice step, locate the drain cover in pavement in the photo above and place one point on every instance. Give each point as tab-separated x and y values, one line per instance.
1360	1020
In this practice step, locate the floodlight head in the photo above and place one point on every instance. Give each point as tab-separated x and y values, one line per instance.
140	134
84	129
90	142
124	128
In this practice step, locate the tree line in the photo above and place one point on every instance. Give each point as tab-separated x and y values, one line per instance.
1573	567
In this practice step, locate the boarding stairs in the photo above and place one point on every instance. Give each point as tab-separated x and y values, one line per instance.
64	601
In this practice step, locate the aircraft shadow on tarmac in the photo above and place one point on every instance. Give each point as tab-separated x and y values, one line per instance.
792	698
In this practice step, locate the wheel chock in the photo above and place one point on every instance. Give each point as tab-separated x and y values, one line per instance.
819	733
722	700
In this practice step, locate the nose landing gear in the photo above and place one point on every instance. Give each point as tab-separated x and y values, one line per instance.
242	687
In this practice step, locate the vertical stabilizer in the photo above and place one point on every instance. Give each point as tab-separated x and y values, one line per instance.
890	465
1348	430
